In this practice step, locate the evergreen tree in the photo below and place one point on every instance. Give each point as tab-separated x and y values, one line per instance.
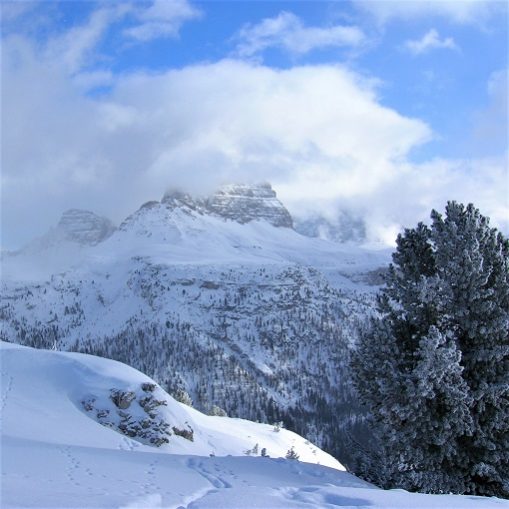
473	262
433	367
291	454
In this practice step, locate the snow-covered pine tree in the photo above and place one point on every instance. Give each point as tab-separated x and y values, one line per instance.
433	367
291	454
473	267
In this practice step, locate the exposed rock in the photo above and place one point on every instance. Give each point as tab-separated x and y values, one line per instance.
149	204
149	404
148	428
178	199
88	404
244	203
148	387
188	434
122	399
84	227
237	202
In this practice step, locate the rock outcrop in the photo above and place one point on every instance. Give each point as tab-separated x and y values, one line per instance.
236	202
84	227
244	203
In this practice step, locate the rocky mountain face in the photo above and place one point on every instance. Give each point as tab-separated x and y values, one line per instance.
82	228
244	203
232	312
85	227
238	202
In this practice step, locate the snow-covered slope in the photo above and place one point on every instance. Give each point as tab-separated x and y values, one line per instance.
56	397
62	246
56	454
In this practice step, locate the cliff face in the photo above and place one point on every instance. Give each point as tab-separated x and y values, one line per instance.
84	227
237	202
244	203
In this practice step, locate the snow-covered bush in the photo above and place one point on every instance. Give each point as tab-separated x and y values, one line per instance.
182	396
217	411
292	454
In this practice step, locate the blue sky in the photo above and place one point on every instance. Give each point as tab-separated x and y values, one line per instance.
384	109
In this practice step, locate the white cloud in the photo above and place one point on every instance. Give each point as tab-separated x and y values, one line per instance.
11	11
429	41
286	31
318	133
473	12
75	48
491	124
417	188
90	80
163	18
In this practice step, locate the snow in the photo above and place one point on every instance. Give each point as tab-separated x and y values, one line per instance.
55	455
179	236
46	385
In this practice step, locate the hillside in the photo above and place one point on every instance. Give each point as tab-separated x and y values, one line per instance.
56	454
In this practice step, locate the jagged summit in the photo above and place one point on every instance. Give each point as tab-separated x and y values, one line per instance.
237	202
244	203
175	198
84	227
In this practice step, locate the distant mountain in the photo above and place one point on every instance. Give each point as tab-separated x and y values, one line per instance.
344	228
65	245
85	227
243	203
77	226
240	203
215	297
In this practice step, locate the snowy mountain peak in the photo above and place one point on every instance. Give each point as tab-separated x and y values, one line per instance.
178	199
244	203
84	227
241	203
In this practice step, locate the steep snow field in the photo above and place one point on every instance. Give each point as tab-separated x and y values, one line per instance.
56	454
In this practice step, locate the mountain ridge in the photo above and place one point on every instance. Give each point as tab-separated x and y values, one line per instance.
248	316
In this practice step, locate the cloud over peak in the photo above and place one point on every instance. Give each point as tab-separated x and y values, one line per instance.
319	132
85	127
